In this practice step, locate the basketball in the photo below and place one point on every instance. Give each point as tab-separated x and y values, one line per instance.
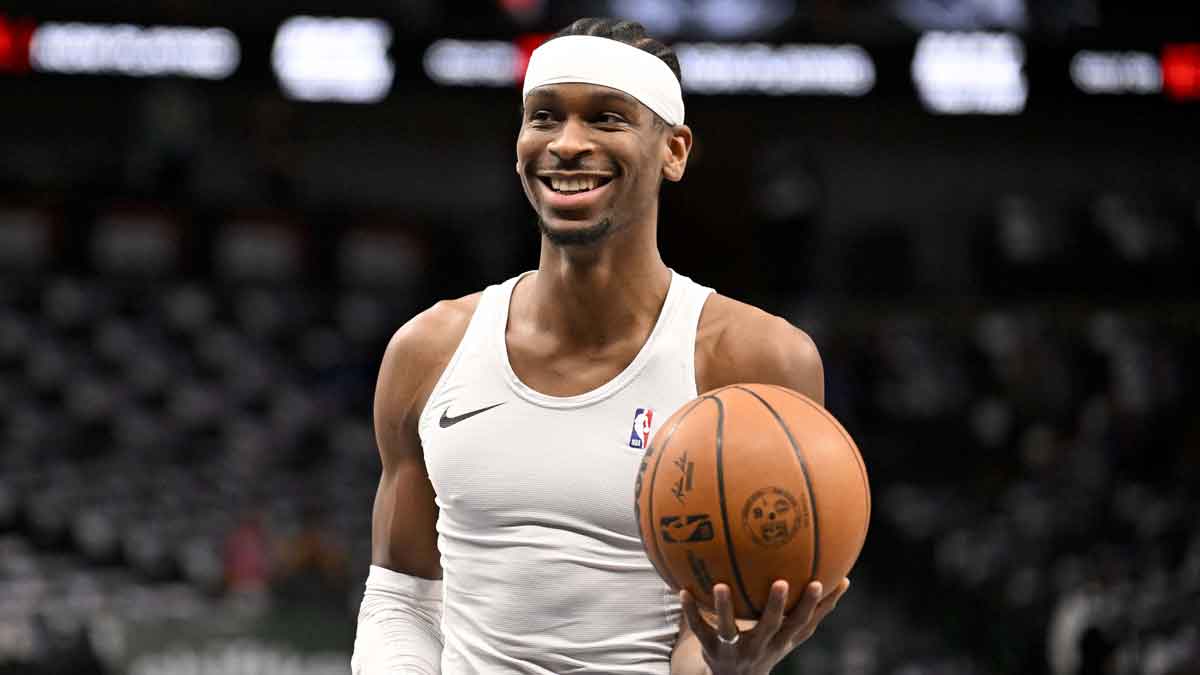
748	484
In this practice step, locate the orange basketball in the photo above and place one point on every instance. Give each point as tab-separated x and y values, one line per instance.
748	484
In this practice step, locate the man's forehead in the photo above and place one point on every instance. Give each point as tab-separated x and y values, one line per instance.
583	90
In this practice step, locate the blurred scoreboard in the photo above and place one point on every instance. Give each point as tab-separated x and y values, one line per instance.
366	60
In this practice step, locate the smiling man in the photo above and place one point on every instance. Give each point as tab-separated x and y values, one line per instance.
511	422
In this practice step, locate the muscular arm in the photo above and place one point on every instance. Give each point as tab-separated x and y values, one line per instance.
404	518
399	621
737	343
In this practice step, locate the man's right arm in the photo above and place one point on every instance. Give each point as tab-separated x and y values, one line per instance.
399	621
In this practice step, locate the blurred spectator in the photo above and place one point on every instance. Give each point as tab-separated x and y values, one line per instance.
247	558
313	568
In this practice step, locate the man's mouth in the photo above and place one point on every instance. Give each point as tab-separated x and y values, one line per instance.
574	185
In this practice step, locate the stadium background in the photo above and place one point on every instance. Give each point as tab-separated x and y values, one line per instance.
986	213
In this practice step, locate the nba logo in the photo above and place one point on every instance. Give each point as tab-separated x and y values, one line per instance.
642	419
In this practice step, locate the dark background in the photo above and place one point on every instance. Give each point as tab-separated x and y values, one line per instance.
197	280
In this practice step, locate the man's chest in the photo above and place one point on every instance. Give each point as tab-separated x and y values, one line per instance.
547	367
520	464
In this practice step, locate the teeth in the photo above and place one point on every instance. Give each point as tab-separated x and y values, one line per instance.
577	184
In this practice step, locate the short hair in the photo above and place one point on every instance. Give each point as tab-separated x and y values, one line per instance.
629	32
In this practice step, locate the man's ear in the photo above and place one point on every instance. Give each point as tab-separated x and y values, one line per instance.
676	151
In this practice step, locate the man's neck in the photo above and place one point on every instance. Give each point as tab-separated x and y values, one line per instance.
596	295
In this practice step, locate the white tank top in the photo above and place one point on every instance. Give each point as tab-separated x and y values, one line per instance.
543	569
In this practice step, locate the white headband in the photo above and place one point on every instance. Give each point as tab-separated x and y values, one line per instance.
608	63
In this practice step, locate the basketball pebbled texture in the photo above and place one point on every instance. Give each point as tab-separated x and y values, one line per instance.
747	484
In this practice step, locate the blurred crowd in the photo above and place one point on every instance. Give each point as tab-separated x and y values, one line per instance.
186	433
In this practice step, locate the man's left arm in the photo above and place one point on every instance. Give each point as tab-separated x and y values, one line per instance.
740	344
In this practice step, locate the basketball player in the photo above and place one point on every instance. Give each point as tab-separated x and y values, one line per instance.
511	422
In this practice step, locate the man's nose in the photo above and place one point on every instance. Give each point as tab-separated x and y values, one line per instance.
572	140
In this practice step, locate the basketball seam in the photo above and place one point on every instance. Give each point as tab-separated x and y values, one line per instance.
812	497
862	467
737	572
665	570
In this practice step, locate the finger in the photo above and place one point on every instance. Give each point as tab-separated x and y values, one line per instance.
704	632
830	601
772	616
802	614
826	606
726	621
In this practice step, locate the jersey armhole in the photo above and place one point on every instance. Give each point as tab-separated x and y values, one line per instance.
708	294
452	363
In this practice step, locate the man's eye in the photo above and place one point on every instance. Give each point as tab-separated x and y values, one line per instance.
540	116
610	118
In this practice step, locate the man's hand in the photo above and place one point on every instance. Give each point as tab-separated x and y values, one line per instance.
728	651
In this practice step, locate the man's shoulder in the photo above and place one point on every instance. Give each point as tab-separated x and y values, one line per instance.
730	325
738	342
432	336
417	354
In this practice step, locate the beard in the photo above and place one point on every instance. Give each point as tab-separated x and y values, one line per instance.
586	236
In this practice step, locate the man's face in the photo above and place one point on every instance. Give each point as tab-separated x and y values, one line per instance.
590	159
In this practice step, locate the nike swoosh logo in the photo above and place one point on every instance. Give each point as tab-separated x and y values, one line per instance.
448	421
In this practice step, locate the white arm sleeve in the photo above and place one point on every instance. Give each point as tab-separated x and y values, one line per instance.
399	626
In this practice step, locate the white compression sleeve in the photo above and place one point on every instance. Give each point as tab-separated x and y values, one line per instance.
399	625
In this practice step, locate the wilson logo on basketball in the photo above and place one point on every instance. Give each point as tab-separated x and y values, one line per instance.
683	484
681	529
772	516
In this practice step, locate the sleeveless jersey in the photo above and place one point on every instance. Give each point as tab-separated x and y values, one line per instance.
543	568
